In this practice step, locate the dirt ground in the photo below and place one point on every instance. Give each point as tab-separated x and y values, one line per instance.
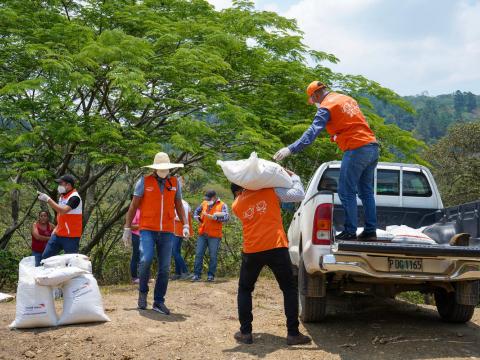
204	319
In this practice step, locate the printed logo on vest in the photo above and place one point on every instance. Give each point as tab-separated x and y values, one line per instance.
351	108
261	206
249	213
149	188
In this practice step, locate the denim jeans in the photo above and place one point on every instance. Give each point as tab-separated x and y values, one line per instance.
135	259
180	265
38	257
69	245
278	260
213	245
357	177
162	241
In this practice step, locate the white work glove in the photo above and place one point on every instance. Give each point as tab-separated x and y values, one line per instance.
282	154
127	237
43	197
186	231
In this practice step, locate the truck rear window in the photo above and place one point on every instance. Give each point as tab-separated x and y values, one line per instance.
329	180
415	184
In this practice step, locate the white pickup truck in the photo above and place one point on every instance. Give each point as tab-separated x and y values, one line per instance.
405	195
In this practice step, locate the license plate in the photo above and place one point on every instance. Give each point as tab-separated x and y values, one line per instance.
405	265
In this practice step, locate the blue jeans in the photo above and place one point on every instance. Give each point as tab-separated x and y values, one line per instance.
38	257
213	245
162	241
180	266
135	259
69	245
357	176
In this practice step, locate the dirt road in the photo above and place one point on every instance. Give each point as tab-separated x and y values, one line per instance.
204	318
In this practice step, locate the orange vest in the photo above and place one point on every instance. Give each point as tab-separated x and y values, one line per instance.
179	224
157	209
259	212
347	125
211	227
69	224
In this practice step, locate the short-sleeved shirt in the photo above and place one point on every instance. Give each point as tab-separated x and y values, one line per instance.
73	202
140	187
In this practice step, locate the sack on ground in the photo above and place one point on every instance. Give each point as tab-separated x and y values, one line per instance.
35	306
56	276
61	260
254	173
81	263
406	234
82	301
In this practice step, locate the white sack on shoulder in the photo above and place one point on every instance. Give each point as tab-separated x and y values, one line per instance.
57	276
82	301
61	260
255	174
406	234
35	306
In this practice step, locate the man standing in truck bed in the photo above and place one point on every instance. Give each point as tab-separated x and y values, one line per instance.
341	116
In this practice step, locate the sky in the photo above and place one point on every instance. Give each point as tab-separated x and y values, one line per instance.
409	46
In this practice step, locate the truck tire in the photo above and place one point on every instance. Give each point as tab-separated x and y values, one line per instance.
311	309
450	310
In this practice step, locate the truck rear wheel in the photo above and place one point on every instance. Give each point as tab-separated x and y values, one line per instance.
450	310
311	309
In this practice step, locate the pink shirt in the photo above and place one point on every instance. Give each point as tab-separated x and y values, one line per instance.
136	221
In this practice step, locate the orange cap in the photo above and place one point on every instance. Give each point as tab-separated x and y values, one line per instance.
314	86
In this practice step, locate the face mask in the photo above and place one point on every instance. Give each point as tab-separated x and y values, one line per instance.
317	105
61	189
211	202
162	174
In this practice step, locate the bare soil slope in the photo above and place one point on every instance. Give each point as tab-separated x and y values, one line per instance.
204	319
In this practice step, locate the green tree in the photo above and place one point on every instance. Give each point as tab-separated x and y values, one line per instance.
470	101
456	164
96	88
458	102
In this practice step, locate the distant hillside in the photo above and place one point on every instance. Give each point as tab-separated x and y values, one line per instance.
433	114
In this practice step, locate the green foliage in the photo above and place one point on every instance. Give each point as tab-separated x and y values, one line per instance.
456	165
95	88
8	270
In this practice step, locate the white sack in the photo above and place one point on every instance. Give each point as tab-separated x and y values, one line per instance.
35	306
56	276
406	234
82	301
5	297
81	263
254	173
61	260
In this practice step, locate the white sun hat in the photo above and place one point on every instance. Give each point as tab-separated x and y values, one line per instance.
162	162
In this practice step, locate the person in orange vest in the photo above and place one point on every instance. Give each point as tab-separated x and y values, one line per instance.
341	116
265	244
181	269
211	214
158	196
67	233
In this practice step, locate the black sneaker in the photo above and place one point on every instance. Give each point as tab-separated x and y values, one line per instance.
211	278
160	308
243	338
346	236
142	301
368	236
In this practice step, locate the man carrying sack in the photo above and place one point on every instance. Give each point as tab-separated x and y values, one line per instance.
265	244
158	196
341	116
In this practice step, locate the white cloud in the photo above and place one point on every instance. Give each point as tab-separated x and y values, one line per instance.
409	45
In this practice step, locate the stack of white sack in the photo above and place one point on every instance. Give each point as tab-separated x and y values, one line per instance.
406	234
71	272
255	174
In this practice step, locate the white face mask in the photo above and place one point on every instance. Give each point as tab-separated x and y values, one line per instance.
163	173
317	105
61	189
211	202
